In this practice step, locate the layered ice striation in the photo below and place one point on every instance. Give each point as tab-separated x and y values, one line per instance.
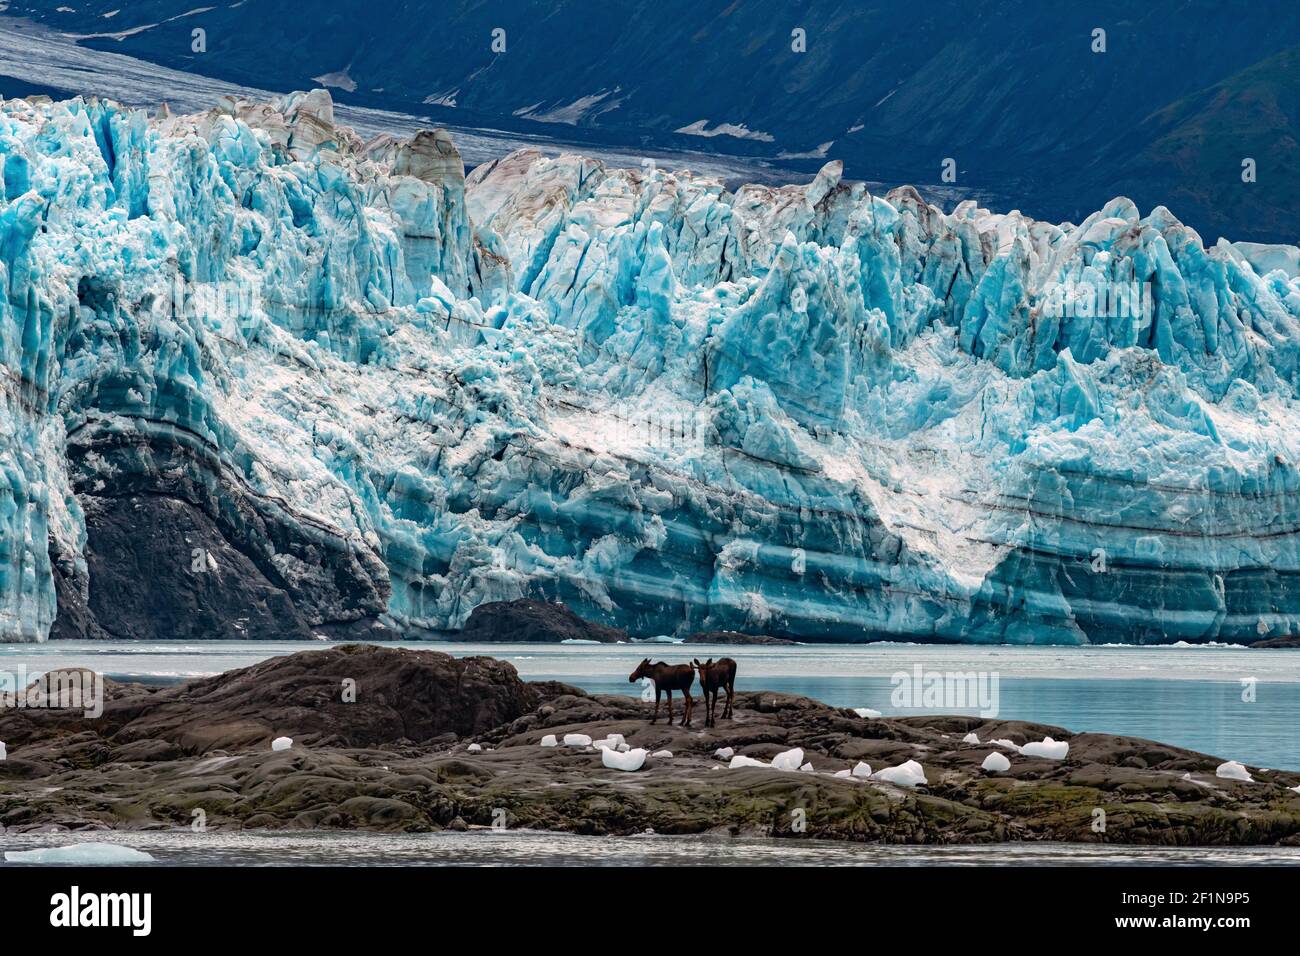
263	379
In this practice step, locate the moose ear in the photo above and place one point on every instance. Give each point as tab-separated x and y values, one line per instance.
696	662
709	662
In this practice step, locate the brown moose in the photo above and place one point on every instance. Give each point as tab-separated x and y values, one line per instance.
668	678
713	676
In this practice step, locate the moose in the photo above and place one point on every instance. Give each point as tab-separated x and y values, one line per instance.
721	674
668	678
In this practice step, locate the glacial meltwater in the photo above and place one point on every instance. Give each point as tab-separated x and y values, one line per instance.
487	847
1230	702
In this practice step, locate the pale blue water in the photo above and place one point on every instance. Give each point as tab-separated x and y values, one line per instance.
1188	696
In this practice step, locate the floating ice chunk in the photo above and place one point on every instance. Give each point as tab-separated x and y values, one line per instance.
632	760
866	712
909	774
4	754
1003	742
281	743
475	748
788	760
861	770
726	753
970	739
550	741
82	854
1296	789
612	742
996	763
1232	770
807	768
742	761
843	773
665	754
577	740
1047	747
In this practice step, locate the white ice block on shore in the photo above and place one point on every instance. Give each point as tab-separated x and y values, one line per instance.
909	774
996	763
1047	747
1232	770
630	761
788	760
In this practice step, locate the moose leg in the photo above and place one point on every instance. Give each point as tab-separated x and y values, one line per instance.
669	692
655	718
690	707
711	707
726	711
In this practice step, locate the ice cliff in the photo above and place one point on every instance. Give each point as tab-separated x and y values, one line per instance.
263	379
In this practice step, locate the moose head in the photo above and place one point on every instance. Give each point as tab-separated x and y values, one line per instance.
644	669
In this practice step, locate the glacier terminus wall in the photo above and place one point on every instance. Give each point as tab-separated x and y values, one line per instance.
262	379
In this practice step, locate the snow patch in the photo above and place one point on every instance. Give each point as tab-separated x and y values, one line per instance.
738	130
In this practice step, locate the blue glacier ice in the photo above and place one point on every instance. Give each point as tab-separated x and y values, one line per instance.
262	378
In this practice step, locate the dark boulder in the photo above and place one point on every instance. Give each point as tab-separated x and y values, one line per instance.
735	637
532	622
1276	642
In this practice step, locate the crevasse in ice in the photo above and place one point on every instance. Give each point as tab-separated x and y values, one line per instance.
386	392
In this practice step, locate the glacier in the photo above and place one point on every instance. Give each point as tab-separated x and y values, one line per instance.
262	378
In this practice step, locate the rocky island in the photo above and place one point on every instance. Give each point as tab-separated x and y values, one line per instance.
383	738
